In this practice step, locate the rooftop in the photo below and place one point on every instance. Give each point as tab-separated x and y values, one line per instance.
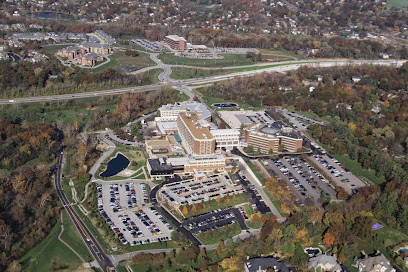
254	264
196	127
277	128
175	38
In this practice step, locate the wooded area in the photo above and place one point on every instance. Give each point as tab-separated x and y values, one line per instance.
28	207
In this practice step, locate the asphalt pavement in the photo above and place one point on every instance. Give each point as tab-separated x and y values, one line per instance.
284	67
93	246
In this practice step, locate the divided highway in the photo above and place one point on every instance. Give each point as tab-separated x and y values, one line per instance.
90	241
278	67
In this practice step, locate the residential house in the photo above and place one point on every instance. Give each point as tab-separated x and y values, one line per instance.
375	264
323	262
263	264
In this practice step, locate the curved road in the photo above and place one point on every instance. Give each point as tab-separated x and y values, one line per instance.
283	67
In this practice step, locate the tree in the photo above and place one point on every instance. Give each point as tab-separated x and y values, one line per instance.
328	239
403	216
231	264
185	210
15	266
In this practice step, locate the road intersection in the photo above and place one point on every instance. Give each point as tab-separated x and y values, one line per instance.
166	81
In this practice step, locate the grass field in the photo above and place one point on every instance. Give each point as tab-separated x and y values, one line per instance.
228	60
210	100
52	49
250	211
52	255
223	233
397	3
212	204
119	59
187	73
134	154
358	170
279	52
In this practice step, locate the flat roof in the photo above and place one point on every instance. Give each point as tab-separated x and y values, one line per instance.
166	126
175	38
224	131
155	164
192	121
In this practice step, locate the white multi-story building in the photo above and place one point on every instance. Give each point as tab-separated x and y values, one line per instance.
226	138
170	112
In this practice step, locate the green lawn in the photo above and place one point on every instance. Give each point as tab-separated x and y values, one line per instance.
398	3
356	168
257	174
250	211
154	75
279	52
52	49
71	237
119	59
210	100
52	255
187	73
212	204
228	60
223	233
134	154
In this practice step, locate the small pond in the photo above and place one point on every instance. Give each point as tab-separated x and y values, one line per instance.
115	165
225	105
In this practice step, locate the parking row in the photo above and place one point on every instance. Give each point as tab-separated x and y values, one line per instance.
149	45
210	221
190	191
254	197
339	173
133	223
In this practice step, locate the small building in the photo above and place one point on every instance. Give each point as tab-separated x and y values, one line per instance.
159	168
323	262
375	264
356	79
264	264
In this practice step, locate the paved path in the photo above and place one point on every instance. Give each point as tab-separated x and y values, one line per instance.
111	148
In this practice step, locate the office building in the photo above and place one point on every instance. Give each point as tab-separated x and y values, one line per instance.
270	137
175	42
195	134
170	112
226	138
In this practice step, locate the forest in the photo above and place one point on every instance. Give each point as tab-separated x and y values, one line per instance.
28	206
18	79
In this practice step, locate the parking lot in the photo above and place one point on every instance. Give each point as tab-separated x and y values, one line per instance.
211	221
149	45
191	191
251	193
298	121
340	174
125	207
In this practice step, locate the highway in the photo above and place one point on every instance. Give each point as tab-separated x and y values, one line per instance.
96	250
179	84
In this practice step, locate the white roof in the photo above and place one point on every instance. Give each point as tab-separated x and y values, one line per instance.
216	132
